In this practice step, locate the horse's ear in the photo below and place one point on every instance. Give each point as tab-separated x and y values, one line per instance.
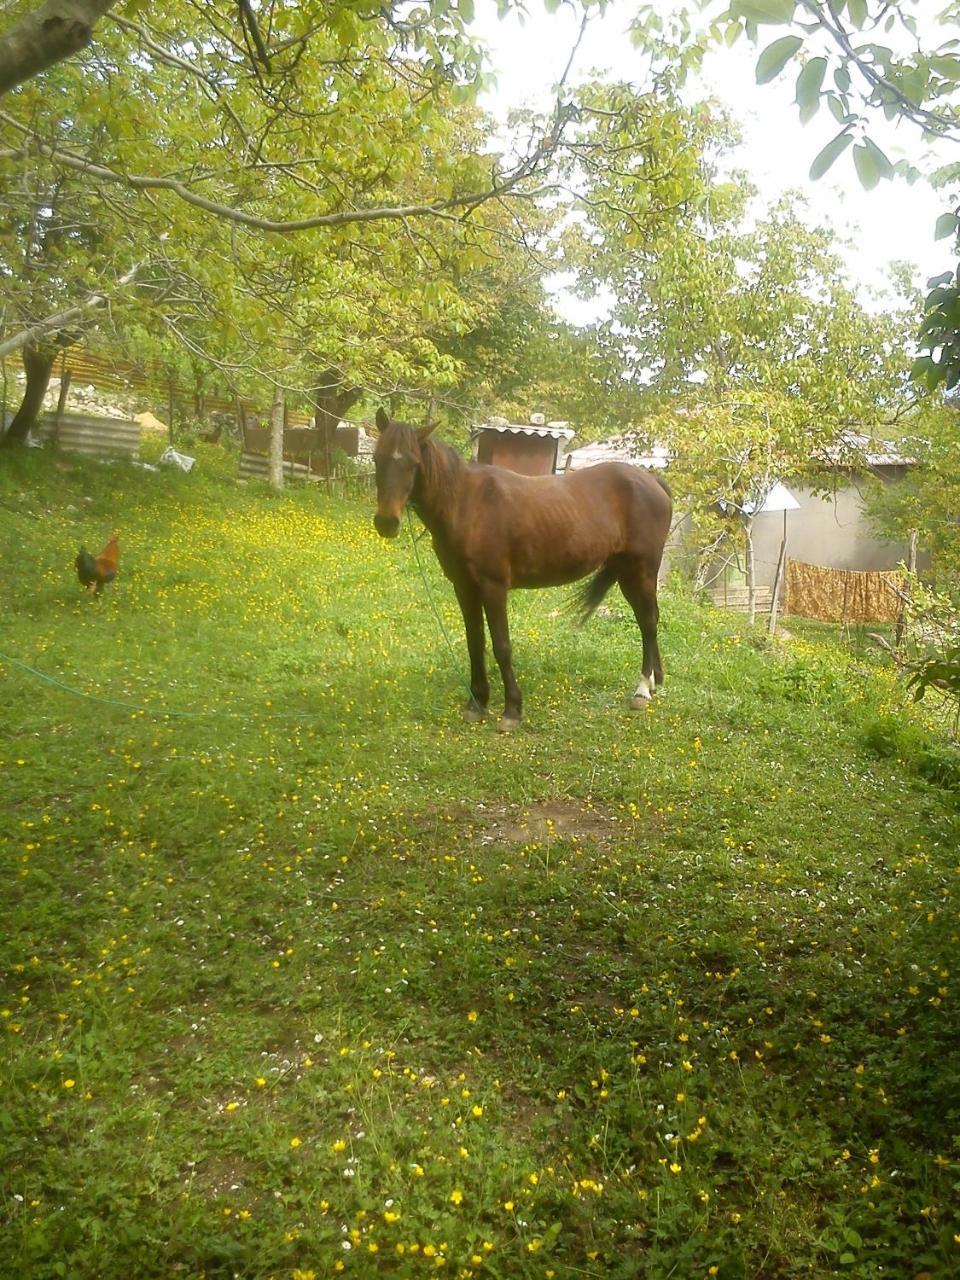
426	430
382	419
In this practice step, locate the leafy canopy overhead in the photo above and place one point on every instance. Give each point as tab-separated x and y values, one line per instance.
279	188
307	193
860	60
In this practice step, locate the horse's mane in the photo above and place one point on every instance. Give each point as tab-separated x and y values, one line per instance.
440	466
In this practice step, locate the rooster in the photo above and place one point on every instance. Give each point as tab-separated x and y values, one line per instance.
94	571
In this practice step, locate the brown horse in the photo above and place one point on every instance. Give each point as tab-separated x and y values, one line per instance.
494	530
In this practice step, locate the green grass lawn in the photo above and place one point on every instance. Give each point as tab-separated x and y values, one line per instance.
303	976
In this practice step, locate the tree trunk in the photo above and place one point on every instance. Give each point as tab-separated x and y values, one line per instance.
65	376
911	569
275	464
778	580
751	572
331	400
37	365
199	394
50	33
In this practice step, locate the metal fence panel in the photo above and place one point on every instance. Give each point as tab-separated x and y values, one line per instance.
254	466
95	437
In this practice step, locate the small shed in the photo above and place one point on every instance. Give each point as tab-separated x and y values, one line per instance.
530	448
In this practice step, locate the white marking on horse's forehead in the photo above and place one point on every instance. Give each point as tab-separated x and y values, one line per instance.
397	455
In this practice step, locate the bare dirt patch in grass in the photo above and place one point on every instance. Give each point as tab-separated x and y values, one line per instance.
218	1175
549	820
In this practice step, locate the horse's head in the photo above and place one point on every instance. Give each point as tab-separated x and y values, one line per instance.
397	459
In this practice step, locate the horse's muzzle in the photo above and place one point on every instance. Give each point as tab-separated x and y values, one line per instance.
386	526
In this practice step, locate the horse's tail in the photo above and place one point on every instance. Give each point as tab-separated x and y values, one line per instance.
589	594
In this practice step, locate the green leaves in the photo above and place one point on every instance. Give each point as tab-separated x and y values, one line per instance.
809	83
938	361
869	161
947	225
764	11
947	67
941	672
775	57
871	164
915	77
834	148
355	114
839	108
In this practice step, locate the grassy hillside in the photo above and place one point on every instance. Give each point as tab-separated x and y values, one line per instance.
303	977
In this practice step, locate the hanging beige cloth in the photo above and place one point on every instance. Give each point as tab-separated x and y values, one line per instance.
841	595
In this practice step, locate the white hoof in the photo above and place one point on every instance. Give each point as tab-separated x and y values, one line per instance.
643	693
507	726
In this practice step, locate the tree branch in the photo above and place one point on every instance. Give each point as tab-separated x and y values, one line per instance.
379	214
172	60
249	22
933	121
57	321
47	35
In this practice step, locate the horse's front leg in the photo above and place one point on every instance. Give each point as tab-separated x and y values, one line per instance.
468	597
495	607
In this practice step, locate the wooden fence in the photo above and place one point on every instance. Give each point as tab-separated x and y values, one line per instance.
737	598
81	367
305	456
256	466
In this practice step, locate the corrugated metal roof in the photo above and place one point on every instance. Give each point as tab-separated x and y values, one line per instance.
851	449
552	430
629	446
856	446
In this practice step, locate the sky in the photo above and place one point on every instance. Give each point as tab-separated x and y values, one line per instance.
895	221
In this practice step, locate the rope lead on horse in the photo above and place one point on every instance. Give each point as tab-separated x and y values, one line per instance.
415	538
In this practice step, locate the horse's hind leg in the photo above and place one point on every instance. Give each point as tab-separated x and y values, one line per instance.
638	582
470	606
495	607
